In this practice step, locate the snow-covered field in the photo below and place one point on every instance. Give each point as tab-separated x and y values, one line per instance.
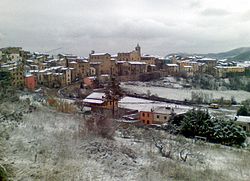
48	145
181	94
146	105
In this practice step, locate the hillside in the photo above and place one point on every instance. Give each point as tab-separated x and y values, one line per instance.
47	145
242	53
238	54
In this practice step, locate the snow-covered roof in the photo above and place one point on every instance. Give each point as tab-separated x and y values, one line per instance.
245	64
172	65
120	62
243	119
31	61
13	68
169	110
92	78
104	75
222	60
55	68
28	75
147	105
52	60
207	59
98	54
74	62
34	71
39	56
95	63
193	62
133	100
229	67
83	60
5	66
95	97
42	71
137	63
57	73
93	101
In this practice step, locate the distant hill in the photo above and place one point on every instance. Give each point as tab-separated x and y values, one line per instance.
238	54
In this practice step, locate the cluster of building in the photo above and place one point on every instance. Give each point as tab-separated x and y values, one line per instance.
130	108
32	69
190	66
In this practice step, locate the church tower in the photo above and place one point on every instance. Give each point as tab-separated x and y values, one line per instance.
138	49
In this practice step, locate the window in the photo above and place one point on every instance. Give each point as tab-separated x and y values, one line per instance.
143	114
158	116
165	117
148	122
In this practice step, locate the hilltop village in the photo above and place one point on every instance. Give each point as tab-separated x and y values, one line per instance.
36	72
115	116
31	70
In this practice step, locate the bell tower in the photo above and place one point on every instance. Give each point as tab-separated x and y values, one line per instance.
138	49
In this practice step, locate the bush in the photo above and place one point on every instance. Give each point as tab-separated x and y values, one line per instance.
100	125
201	97
3	174
199	123
244	110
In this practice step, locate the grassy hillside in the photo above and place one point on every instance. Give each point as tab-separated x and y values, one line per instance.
242	57
238	54
229	54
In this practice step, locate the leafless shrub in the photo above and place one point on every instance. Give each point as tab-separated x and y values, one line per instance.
173	147
65	107
110	154
172	170
101	125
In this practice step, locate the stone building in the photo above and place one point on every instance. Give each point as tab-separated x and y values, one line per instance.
103	60
134	55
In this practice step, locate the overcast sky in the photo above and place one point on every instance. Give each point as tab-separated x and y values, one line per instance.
160	26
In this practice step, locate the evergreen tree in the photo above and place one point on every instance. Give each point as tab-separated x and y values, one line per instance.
199	123
113	92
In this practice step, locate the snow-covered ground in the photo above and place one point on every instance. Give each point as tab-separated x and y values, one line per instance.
181	94
146	105
48	145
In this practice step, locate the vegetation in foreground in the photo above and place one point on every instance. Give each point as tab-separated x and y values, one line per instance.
200	123
244	110
57	145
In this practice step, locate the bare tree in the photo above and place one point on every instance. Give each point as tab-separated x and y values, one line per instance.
101	125
174	146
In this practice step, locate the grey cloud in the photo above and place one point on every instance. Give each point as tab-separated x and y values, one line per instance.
195	4
115	25
214	12
245	16
1	36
